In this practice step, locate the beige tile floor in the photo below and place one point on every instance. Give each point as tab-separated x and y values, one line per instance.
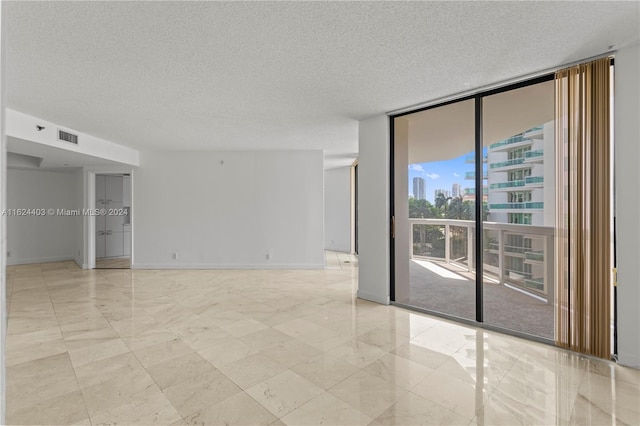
276	347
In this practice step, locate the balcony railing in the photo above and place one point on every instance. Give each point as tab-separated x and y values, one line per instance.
507	163
533	180
517	138
537	256
534	154
471	159
517	206
508	141
534	130
472	191
510	184
535	284
472	175
453	241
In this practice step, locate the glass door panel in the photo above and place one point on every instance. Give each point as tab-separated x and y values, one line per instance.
519	227
434	202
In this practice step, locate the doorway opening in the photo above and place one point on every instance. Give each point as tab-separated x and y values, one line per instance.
113	221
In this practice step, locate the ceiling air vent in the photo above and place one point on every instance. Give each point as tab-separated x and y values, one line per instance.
67	137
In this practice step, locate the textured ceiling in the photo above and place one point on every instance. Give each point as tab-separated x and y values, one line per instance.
244	75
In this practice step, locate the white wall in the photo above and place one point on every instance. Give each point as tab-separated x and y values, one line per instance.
229	209
627	157
373	209
337	209
34	239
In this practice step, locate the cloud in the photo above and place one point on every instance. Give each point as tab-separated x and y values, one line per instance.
433	176
416	168
456	175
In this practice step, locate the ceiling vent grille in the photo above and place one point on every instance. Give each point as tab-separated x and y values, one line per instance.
67	137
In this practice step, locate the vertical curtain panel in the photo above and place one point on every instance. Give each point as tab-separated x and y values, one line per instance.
583	243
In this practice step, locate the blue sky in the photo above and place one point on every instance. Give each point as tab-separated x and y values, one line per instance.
441	175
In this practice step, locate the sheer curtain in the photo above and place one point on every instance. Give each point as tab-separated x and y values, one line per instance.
583	243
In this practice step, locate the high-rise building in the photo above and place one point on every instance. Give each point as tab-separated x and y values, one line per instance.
521	183
419	188
519	168
456	190
444	192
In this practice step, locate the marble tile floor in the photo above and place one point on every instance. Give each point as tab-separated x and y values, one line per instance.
276	348
340	260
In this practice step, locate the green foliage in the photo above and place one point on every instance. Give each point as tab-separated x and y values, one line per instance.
428	240
422	209
442	201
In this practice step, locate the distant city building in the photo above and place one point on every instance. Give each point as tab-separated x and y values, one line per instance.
444	192
456	190
419	188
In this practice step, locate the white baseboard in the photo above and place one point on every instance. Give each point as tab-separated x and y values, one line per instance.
260	266
372	297
12	262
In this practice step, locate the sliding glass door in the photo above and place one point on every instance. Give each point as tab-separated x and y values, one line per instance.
435	209
519	229
474	208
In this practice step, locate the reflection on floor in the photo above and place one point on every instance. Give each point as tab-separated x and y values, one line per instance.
113	263
503	306
276	347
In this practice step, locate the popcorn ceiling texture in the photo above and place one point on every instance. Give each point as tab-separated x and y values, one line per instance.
278	75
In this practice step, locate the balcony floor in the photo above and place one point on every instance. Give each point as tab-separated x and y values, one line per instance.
503	307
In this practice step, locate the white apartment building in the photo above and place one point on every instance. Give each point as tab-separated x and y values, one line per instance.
518	169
